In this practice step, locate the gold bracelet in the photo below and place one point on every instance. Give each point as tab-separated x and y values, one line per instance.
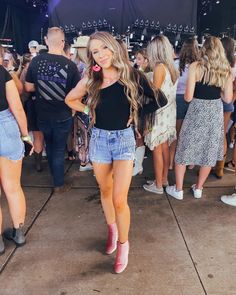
86	110
26	138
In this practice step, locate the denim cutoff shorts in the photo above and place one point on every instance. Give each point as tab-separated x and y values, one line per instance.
107	146
11	145
228	107
182	106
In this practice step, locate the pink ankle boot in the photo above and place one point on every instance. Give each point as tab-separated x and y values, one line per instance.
112	238
121	257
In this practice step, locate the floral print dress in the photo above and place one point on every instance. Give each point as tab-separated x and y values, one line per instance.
164	128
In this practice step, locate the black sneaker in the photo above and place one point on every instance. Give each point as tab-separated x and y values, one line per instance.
16	235
2	246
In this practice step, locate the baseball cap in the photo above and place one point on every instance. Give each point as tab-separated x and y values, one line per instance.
33	43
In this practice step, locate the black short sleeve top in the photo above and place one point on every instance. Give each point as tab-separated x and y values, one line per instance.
4	78
113	109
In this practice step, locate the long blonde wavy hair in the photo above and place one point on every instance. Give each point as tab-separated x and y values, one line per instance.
125	72
160	51
213	65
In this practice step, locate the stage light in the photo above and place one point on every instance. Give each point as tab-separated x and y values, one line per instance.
204	13
34	4
168	27
174	28
180	28
192	29
217	2
152	25
142	37
136	23
46	15
157	26
72	28
99	23
141	24
186	29
67	29
147	23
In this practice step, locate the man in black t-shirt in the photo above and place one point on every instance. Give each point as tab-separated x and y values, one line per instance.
52	76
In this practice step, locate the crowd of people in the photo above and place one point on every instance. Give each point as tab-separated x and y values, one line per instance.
90	100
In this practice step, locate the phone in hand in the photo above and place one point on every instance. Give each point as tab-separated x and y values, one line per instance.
28	148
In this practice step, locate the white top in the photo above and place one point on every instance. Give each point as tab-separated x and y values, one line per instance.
164	128
181	86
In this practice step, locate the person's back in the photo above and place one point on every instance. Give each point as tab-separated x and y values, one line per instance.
52	76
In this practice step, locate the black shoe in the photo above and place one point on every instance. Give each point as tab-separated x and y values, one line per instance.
71	155
38	161
16	235
2	246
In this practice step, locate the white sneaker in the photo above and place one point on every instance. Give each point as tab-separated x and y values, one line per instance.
171	190
153	181
153	188
87	167
231	145
150	181
197	193
229	200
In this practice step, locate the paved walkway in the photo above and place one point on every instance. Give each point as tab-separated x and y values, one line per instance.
177	247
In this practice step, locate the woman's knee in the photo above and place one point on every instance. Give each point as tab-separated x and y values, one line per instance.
120	204
106	191
11	187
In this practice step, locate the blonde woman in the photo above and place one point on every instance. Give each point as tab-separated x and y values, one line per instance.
113	88
201	139
165	77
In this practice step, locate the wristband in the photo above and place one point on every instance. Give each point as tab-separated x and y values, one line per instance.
26	138
86	110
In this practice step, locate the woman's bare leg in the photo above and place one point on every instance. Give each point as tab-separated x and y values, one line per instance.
121	182
10	173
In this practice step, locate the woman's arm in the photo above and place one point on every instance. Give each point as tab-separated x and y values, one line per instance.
29	87
74	97
16	107
227	95
159	75
191	81
17	81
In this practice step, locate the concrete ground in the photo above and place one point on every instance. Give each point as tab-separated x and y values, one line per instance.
177	247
